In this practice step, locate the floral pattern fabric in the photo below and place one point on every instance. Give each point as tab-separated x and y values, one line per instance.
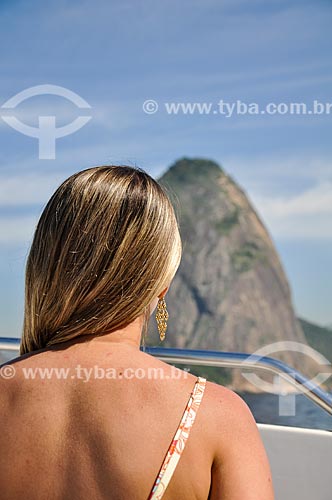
179	441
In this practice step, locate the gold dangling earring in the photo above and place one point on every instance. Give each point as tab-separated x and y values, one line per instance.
162	317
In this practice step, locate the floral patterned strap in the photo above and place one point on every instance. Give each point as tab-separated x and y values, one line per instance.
179	441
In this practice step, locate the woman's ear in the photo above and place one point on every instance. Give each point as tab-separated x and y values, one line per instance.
163	293
154	303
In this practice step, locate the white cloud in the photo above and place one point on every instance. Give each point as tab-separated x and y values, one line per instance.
306	215
315	201
292	194
31	182
17	230
31	188
27	189
272	174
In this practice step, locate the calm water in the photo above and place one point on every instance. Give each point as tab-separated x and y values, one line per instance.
265	408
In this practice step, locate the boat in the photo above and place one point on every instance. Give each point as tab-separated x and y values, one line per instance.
300	458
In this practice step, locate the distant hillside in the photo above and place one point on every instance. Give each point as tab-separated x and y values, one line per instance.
318	338
230	292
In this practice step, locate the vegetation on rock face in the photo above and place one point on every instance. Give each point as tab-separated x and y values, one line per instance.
226	224
245	257
187	171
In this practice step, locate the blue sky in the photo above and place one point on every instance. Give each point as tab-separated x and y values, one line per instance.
116	55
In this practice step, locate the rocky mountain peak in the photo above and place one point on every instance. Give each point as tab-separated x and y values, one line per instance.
193	171
230	292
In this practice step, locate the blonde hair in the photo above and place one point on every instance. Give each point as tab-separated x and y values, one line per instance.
106	244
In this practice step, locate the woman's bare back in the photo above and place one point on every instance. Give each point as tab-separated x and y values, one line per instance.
100	429
91	437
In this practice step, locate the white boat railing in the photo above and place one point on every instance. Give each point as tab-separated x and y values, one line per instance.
223	360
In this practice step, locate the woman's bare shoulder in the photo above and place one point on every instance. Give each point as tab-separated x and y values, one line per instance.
224	401
227	416
236	441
